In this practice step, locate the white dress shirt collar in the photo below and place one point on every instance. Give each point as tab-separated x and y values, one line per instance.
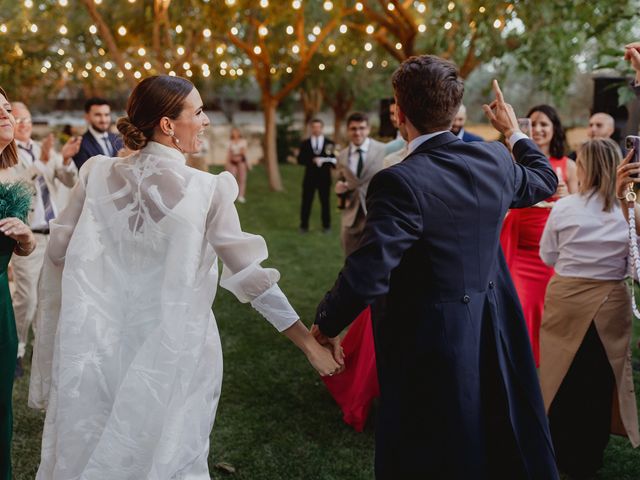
364	147
416	142
460	134
317	143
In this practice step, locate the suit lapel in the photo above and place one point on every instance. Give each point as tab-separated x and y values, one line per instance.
372	159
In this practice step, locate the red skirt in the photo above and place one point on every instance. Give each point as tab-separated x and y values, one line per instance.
520	239
355	388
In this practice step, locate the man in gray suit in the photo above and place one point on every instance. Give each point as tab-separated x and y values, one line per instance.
49	173
356	166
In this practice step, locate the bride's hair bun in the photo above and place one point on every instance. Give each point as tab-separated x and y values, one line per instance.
132	136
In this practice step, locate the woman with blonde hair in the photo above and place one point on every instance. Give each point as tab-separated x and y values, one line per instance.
585	353
237	163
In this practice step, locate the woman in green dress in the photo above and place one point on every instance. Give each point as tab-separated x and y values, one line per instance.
15	237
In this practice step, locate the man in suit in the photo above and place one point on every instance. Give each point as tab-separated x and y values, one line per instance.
97	140
318	157
457	127
460	397
357	164
48	172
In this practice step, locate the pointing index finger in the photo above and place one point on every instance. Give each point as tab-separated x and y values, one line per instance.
496	89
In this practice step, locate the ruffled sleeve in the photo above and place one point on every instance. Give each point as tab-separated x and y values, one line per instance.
241	254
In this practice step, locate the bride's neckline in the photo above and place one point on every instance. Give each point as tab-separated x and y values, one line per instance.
160	150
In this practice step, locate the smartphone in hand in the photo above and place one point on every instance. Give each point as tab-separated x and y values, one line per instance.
633	141
525	126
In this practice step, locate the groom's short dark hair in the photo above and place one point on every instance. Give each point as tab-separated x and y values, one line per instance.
428	91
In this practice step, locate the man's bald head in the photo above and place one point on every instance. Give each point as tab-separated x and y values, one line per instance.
601	125
23	121
459	120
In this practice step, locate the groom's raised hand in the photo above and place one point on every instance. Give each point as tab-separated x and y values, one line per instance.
501	114
331	343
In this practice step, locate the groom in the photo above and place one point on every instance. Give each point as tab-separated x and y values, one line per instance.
459	392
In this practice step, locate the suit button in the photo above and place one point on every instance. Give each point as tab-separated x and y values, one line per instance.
491	284
466	299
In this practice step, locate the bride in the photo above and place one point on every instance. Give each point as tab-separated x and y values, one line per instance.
128	360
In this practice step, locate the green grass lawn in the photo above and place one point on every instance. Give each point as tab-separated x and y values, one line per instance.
276	419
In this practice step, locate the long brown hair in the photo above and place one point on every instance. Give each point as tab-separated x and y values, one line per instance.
8	156
599	158
153	98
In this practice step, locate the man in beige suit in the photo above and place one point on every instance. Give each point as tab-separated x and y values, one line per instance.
356	166
48	172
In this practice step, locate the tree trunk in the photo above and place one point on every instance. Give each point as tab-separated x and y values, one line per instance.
270	105
311	103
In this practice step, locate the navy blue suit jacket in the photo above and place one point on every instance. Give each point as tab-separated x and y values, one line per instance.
470	137
447	320
89	147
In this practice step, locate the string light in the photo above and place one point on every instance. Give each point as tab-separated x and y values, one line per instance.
369	64
178	28
28	3
85	74
167	65
263	31
234	31
398	46
359	7
497	23
189	73
172	73
289	70
63	3
421	8
223	65
482	9
63	30
102	52
264	3
43	70
289	30
88	66
33	28
60	52
186	65
370	29
354	61
128	66
332	48
316	30
147	66
368	46
328	6
142	51
451	6
219	49
223	72
108	65
230	3
295	49
321	67
343	28
98	69
391	7
240	72
272	70
120	75
422	28
122	31
257	50
384	64
68	64
93	29
206	73
448	25
47	64
180	51
97	2
206	33
296	4
137	75
3	28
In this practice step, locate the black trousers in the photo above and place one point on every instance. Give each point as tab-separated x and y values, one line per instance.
580	414
319	180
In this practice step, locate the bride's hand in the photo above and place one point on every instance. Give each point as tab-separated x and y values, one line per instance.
322	360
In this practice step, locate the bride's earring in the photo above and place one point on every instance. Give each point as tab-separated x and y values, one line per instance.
175	141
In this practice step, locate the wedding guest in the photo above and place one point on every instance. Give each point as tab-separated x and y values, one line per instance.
585	337
127	358
15	237
397	143
97	140
601	125
522	228
237	163
457	128
317	154
356	166
49	174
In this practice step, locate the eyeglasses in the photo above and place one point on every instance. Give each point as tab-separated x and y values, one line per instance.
23	121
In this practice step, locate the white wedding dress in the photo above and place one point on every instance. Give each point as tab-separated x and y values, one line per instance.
127	356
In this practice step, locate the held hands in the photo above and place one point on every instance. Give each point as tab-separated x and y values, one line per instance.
341	187
14	228
501	114
333	344
626	175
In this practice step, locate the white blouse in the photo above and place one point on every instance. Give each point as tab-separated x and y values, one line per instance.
581	240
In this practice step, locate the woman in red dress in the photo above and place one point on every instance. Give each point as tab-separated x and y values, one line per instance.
523	227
